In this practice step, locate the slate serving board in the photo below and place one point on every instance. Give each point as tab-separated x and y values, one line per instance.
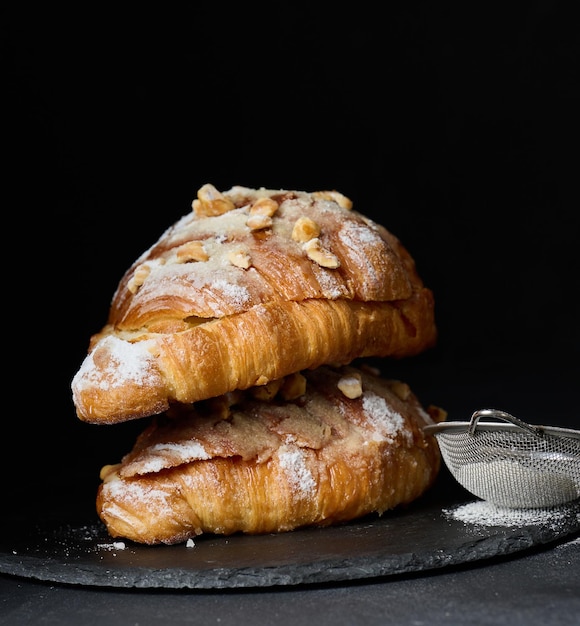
428	535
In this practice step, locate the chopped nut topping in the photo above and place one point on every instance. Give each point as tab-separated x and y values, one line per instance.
335	196
192	251
293	386
108	472
351	386
400	389
240	258
268	391
436	413
259	222
211	202
264	206
220	405
139	277
320	255
305	229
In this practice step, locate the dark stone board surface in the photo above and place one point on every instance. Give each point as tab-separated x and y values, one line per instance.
433	533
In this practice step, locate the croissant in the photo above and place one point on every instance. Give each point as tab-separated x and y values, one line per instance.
251	286
317	448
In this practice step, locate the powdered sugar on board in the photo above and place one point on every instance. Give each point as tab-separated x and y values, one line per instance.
483	513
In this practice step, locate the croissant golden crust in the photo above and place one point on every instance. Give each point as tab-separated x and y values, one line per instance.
273	466
142	378
218	304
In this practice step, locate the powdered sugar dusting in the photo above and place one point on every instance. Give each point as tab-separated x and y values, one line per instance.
482	512
127	363
331	287
191	226
234	293
293	462
122	496
115	545
164	455
386	422
215	281
357	238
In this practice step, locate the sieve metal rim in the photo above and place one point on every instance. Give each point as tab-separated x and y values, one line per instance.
463	427
514	426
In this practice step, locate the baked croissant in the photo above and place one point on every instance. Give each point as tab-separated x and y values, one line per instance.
316	448
251	286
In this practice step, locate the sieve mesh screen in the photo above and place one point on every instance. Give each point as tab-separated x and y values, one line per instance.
510	465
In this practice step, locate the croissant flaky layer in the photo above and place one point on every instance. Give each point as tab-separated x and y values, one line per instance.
347	444
250	286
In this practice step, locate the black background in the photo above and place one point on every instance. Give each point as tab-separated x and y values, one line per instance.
453	124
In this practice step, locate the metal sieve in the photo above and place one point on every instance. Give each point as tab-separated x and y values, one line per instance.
511	463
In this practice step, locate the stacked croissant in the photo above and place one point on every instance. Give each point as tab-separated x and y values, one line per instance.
235	337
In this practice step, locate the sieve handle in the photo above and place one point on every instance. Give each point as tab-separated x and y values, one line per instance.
501	415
